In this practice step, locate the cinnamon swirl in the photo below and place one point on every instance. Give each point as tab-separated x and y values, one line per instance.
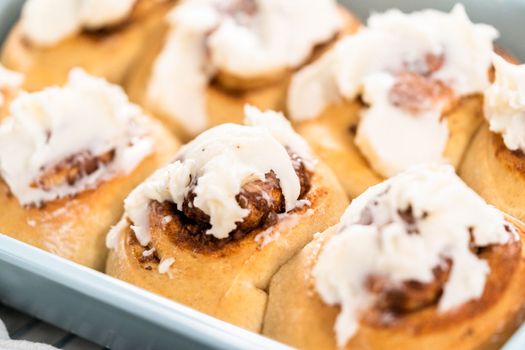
405	90
68	157
419	261
210	229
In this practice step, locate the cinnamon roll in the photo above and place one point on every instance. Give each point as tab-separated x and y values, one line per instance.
417	262
68	157
495	162
210	229
405	90
219	55
103	37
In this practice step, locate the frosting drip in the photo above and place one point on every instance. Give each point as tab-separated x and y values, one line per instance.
505	103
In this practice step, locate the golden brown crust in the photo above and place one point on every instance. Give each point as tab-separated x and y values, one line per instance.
105	53
230	283
6	95
495	172
226	95
297	316
75	228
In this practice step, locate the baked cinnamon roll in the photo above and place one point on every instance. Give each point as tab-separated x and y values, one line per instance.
10	83
404	90
495	162
417	262
210	229
103	37
68	157
218	55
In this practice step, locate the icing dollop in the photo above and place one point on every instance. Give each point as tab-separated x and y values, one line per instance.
403	229
214	167
246	38
85	119
407	68
47	22
505	103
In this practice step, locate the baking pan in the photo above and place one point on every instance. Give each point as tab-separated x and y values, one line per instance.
118	315
107	311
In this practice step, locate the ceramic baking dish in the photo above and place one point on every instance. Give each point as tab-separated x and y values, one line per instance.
115	314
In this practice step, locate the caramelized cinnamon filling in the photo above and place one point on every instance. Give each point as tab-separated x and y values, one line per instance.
147	261
410	295
427	66
415	93
102	33
72	169
239	8
264	200
415	90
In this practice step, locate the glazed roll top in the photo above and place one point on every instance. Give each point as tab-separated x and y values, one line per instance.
244	38
408	69
410	242
228	181
64	140
505	103
47	22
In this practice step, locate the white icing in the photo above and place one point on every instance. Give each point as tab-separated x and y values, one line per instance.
394	42
281	129
382	131
165	265
115	233
505	103
166	220
9	81
181	72
148	252
221	160
445	210
46	22
86	115
266	237
205	39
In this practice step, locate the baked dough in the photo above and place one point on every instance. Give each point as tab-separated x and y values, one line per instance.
108	53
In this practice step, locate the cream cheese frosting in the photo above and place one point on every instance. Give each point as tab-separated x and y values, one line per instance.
505	103
47	22
9	81
86	116
374	238
246	38
216	164
443	49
